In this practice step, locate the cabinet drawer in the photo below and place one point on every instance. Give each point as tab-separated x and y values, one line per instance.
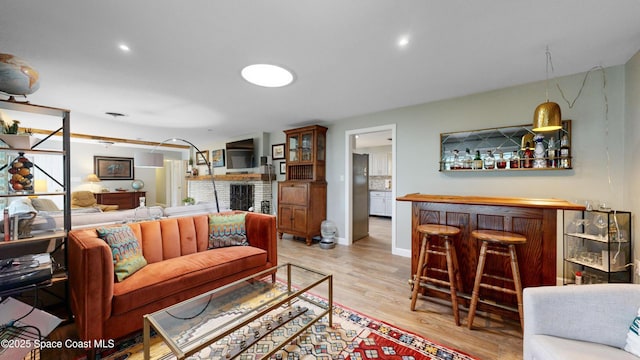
293	193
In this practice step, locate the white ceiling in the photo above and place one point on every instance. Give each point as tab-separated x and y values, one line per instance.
182	76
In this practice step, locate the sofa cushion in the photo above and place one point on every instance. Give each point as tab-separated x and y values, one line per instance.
546	347
169	277
227	230
125	249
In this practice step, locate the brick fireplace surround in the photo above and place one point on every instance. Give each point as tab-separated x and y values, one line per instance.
201	189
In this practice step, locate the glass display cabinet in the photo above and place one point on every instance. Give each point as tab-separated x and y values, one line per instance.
597	247
505	148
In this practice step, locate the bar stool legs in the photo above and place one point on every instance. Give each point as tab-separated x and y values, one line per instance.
502	241
420	278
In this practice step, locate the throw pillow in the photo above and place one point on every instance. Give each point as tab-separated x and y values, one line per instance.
127	254
227	230
633	338
44	204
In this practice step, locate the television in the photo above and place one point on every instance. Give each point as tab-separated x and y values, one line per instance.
240	154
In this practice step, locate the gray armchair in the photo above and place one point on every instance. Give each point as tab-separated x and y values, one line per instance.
579	321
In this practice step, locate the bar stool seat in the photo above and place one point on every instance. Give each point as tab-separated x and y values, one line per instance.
421	277
501	243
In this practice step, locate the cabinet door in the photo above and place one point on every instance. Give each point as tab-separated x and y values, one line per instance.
388	202
293	194
293	142
380	164
307	148
376	203
292	218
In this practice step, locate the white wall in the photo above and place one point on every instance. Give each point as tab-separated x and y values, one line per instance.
418	149
82	165
632	146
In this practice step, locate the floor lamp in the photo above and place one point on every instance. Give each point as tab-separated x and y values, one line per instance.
156	160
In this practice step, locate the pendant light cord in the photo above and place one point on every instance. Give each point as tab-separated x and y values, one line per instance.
606	107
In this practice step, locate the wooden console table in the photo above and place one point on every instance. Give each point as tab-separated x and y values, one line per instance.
534	218
124	199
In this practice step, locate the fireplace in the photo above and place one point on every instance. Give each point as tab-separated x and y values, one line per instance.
241	196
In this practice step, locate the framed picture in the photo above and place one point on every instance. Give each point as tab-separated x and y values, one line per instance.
201	156
113	168
217	158
277	151
283	167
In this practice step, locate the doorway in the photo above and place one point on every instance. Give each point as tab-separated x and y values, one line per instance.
387	133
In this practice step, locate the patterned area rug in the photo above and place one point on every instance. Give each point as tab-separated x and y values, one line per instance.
353	336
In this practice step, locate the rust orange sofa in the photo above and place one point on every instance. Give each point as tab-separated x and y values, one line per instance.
179	267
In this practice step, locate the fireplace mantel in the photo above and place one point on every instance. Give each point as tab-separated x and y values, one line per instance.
234	177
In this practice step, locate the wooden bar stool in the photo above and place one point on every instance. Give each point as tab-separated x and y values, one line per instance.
500	243
449	251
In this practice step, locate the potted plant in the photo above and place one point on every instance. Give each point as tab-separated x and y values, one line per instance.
189	200
10	134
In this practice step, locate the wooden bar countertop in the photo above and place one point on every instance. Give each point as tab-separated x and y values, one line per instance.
536	219
498	201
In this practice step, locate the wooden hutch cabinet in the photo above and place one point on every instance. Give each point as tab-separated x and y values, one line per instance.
302	198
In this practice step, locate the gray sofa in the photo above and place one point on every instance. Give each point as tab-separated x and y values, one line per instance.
52	218
579	321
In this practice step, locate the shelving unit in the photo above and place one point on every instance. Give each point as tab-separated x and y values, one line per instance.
598	245
53	240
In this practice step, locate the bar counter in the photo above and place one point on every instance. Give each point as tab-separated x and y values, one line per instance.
534	218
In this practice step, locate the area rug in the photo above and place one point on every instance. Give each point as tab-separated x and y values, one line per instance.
353	336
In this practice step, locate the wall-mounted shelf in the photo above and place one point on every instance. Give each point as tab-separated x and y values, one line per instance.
458	150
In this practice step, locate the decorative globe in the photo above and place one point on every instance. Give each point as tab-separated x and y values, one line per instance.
17	77
137	184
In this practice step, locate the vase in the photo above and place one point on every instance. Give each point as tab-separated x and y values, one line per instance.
538	153
20	176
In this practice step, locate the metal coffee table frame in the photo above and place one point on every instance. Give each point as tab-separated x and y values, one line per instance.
221	330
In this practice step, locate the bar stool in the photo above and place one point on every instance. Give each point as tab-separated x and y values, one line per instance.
449	251
500	243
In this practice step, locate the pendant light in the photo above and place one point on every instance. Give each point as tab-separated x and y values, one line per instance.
547	116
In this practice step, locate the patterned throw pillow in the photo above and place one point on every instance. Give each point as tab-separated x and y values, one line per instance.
127	254
227	230
633	337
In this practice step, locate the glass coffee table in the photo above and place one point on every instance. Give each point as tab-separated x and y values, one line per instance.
233	319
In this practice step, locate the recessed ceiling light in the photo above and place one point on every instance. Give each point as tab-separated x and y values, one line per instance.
403	41
124	47
267	75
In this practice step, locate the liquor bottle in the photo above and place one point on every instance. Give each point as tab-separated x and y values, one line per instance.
527	158
489	161
468	160
477	161
552	162
457	164
501	163
514	163
565	161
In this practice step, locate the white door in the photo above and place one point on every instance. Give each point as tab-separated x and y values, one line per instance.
176	188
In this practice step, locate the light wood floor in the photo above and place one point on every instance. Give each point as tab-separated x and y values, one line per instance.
368	278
